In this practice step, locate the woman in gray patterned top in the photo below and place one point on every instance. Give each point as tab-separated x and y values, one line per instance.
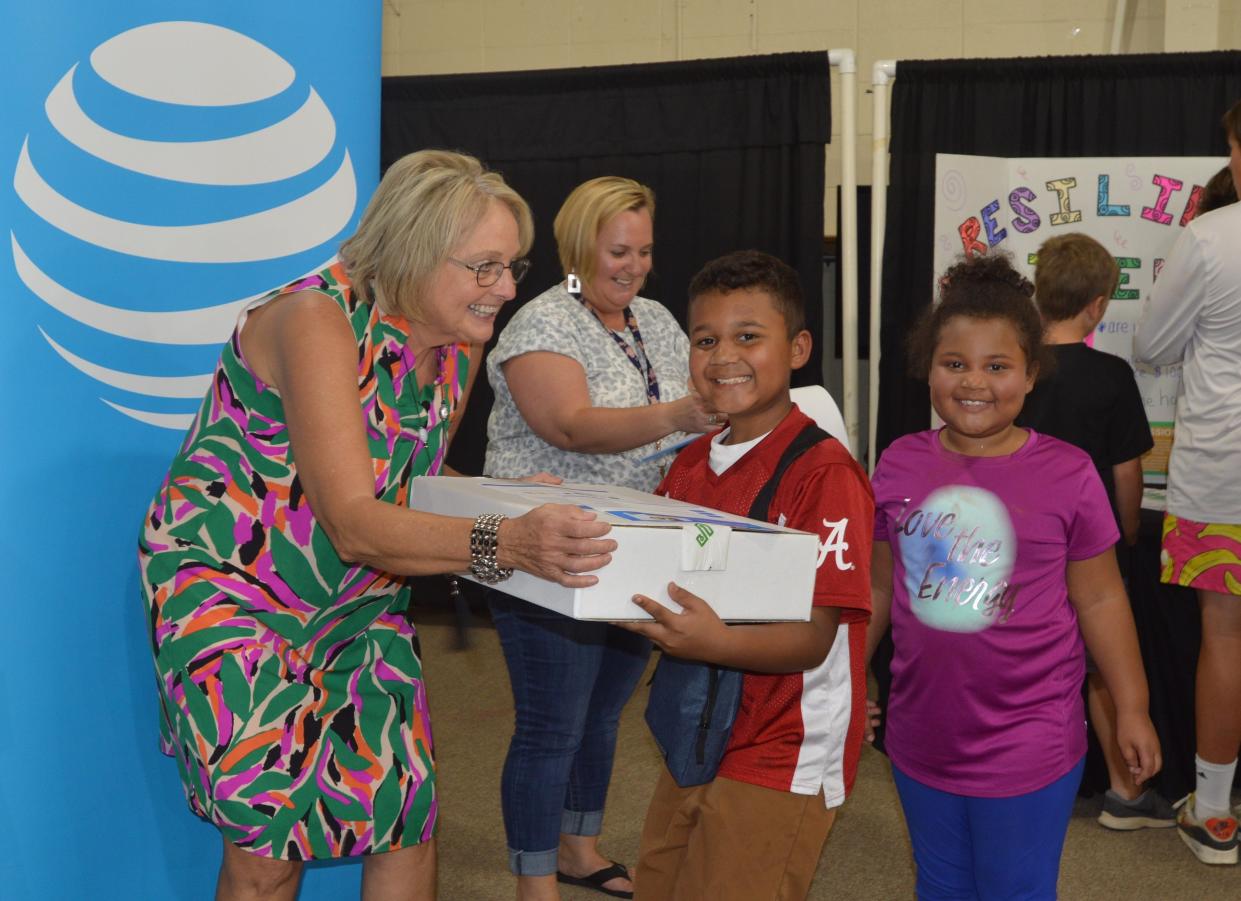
590	381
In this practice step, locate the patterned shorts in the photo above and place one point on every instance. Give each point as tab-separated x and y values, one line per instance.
1201	555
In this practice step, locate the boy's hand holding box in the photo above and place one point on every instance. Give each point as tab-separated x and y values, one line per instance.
749	571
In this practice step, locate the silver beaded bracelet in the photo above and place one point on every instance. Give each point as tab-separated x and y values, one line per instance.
483	549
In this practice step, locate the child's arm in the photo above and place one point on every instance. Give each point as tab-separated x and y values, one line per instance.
697	633
880	619
1103	613
1127	477
1171	310
880	595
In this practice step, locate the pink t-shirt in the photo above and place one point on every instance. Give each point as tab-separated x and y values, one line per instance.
987	674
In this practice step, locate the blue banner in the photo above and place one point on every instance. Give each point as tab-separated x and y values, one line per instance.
164	163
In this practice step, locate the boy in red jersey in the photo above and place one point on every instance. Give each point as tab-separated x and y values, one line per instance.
757	829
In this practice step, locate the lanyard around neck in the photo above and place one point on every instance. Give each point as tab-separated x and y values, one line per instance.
647	371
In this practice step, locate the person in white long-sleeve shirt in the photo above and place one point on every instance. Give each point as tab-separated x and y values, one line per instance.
1194	315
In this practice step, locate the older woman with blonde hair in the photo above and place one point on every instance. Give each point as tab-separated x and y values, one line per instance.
289	675
591	383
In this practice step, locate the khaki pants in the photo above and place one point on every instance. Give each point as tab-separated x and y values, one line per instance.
730	841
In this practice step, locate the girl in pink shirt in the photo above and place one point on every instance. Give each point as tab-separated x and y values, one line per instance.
992	561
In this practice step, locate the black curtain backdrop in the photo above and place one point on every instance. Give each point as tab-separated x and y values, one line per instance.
1141	105
733	148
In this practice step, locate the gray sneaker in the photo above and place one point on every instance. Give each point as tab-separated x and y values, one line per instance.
1147	811
1213	841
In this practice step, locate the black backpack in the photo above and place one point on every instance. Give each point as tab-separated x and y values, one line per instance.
692	704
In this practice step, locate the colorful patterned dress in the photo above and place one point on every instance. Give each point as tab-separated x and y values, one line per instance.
290	684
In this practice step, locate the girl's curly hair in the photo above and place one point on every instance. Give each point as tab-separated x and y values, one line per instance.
981	287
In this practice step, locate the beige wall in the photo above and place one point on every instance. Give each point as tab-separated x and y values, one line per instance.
437	36
1229	24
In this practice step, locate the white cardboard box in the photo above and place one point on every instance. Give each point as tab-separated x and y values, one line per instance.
748	571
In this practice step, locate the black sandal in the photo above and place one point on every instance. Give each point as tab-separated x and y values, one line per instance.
598	878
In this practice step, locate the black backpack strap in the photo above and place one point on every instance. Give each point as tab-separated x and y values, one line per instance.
802	442
689	673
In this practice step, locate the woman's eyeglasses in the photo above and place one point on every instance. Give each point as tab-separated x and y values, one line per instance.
488	273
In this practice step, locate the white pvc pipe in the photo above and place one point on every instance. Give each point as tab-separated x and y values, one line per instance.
1118	26
843	59
883	72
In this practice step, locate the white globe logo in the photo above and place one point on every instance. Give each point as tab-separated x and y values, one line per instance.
195	68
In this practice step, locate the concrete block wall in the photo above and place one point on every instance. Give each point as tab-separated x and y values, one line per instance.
442	36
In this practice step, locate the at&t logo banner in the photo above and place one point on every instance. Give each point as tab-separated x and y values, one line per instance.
161	164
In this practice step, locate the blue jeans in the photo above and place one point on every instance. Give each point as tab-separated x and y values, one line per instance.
987	849
570	681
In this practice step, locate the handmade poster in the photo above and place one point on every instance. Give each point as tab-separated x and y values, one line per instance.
1134	206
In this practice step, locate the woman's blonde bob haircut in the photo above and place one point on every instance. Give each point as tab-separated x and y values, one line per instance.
427	204
586	210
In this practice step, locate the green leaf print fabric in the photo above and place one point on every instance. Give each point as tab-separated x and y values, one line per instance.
290	684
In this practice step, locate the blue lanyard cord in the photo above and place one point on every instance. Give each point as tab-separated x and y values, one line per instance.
647	371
